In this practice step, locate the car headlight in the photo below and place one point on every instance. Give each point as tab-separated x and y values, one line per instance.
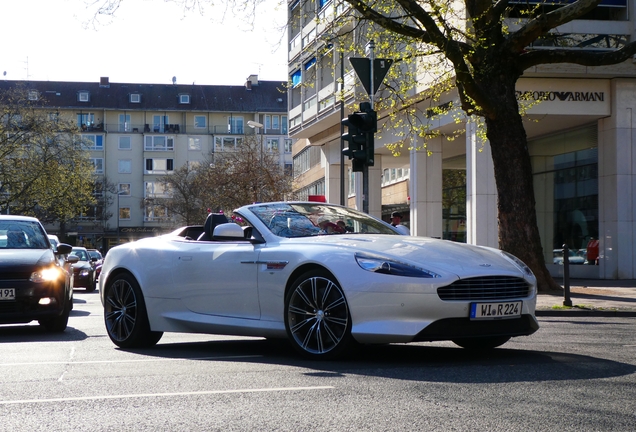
382	265
84	272
48	274
522	266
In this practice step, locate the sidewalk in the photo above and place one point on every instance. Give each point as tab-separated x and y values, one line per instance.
591	298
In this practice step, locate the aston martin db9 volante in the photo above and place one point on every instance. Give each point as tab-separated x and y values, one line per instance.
35	283
270	270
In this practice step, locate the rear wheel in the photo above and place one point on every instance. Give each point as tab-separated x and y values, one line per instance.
482	343
317	316
125	314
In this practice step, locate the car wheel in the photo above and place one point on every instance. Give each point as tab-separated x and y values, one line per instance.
317	316
92	285
59	323
482	343
125	314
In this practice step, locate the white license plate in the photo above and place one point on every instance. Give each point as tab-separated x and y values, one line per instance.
495	310
7	294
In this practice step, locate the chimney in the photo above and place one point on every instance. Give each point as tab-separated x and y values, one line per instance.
104	82
253	80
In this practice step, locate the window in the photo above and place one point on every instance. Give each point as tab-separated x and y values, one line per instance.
86	120
83	96
155	213
125	143
92	142
275	124
124	166
283	124
268	122
199	122
158	143
235	125
155	190
158	166
124	122
227	143
288	146
124	213
123	189
194	143
135	98
98	164
159	122
272	145
184	99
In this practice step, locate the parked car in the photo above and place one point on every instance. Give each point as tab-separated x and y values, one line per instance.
34	284
270	271
84	269
98	260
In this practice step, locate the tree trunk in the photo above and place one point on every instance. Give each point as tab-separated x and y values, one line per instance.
518	229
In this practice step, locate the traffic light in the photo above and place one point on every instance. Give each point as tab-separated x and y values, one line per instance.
361	127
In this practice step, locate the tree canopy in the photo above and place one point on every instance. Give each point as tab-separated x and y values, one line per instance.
44	171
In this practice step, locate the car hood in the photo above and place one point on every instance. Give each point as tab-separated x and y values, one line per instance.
441	256
15	260
81	264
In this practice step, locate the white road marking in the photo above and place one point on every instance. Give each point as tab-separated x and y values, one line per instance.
127	361
149	395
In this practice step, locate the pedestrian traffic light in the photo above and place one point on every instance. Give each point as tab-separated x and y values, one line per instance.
361	127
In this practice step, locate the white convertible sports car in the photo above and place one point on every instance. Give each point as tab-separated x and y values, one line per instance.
323	276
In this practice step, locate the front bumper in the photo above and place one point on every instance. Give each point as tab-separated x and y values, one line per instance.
28	306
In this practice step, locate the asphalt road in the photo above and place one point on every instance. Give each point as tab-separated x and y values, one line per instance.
575	374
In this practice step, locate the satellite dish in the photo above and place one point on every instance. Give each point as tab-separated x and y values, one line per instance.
174	80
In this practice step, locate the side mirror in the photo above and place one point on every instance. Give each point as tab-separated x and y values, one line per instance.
72	259
63	249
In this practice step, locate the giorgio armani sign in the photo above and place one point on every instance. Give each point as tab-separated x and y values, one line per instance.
563	96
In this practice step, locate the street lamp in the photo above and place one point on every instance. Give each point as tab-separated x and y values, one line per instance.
256	125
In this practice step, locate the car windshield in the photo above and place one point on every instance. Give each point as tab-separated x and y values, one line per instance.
81	254
310	219
95	254
22	235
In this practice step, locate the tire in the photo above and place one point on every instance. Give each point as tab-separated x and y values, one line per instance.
125	314
482	343
317	316
92	285
59	323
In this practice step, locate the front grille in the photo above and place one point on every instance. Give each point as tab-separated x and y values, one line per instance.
485	288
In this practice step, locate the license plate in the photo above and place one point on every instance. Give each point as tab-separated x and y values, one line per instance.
483	311
7	294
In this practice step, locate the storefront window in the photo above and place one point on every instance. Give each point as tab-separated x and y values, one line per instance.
454	204
566	189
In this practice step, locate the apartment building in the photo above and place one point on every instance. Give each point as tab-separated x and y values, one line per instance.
140	132
581	140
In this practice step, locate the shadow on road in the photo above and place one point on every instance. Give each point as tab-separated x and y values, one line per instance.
414	362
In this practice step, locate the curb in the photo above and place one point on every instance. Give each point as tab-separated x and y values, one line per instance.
584	313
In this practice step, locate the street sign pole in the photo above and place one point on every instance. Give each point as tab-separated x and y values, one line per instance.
371	73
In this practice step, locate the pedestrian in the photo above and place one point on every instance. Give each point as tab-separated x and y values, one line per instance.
396	221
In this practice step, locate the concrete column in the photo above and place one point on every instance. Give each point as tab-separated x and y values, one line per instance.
332	183
426	188
375	188
617	184
481	192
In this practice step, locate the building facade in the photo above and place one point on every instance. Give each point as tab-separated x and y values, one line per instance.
137	133
581	138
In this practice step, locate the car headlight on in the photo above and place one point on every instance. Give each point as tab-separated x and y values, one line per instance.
522	266
84	272
48	274
382	265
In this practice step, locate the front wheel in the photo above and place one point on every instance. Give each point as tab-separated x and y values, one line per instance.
482	343
317	316
59	323
125	314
